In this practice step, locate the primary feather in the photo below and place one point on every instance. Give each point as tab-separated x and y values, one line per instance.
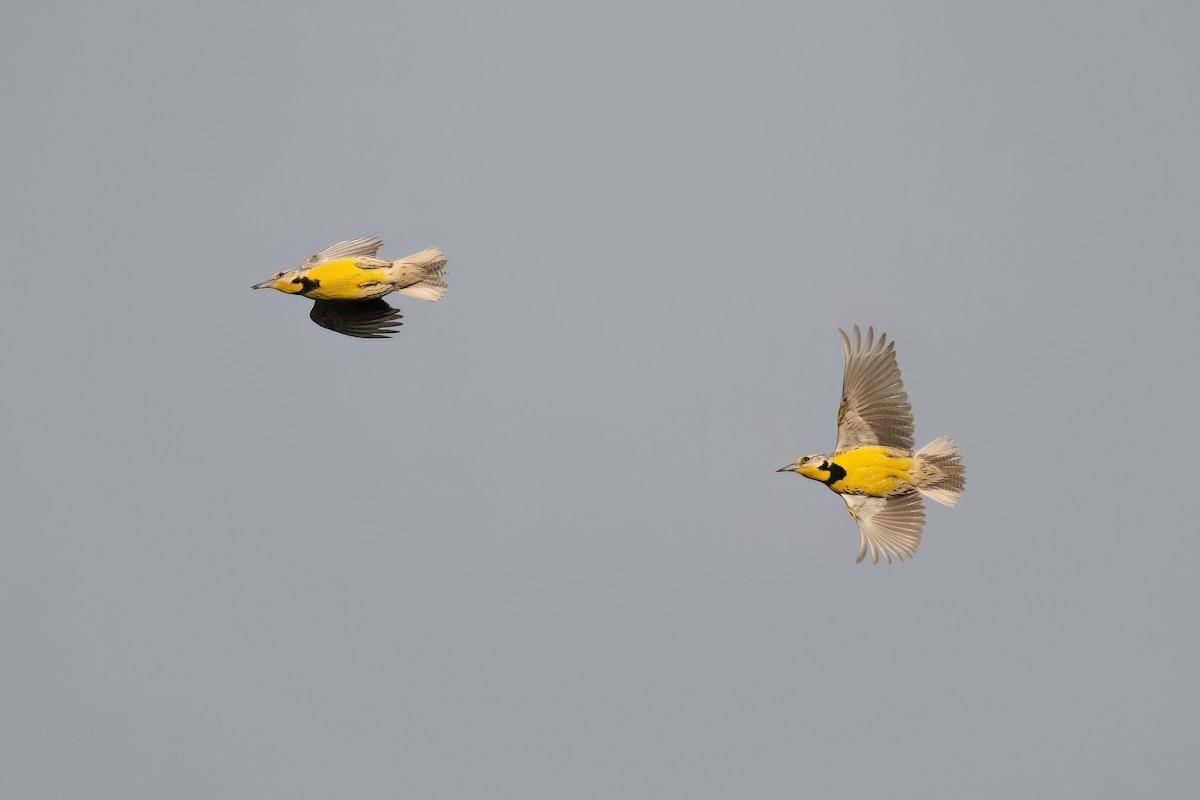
874	407
354	248
365	319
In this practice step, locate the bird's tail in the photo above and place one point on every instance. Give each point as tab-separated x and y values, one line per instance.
421	274
938	471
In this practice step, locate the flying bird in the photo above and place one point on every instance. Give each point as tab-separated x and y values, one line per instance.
347	282
872	466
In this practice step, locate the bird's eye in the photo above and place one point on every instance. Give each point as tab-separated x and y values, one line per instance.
803	459
280	275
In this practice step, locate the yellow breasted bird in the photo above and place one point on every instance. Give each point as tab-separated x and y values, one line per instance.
346	283
872	466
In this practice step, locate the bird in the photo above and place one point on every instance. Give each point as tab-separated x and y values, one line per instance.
872	466
347	283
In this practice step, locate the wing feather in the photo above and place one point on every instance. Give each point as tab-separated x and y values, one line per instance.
353	248
874	408
364	319
888	525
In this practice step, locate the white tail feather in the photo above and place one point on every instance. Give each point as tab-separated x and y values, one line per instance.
425	290
421	274
939	471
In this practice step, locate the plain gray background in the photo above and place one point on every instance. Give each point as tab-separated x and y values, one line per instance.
535	546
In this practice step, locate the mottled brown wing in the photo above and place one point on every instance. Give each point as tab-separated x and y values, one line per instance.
874	408
366	319
354	248
888	525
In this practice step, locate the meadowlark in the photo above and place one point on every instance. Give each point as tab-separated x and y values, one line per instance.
872	466
347	282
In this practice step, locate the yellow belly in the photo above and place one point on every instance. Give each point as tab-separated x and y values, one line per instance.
875	471
342	280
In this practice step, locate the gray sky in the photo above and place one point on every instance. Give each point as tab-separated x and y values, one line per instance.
535	546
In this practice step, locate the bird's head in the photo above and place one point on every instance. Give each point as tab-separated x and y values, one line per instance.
288	282
815	467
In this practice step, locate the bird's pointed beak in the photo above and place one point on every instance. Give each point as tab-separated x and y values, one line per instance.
264	285
789	468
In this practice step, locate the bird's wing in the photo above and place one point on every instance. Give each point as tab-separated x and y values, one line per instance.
888	525
366	319
874	408
354	248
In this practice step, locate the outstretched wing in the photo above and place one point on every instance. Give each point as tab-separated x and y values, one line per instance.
354	248
366	319
888	525
874	408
